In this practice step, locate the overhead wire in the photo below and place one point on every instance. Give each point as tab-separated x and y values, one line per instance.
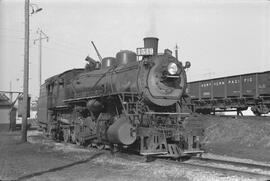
68	46
11	29
57	49
60	45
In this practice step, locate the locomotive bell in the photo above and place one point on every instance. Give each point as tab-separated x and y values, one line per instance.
151	42
98	65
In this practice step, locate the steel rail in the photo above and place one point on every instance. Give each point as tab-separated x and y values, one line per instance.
236	170
237	163
231	171
194	165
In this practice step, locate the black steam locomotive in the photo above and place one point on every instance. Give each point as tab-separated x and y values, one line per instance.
133	101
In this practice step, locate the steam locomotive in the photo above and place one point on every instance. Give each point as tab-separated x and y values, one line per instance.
131	101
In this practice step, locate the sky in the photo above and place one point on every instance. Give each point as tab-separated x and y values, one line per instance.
219	37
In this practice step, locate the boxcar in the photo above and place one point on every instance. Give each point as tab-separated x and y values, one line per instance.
232	93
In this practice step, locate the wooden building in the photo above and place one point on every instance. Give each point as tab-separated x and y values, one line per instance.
5	108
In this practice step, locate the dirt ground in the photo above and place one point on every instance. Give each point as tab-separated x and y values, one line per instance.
45	160
247	138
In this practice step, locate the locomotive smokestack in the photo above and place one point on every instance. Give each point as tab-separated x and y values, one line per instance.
151	42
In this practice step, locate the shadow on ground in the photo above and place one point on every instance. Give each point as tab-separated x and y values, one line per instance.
59	168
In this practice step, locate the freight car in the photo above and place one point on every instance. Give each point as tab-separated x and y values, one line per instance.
131	101
232	93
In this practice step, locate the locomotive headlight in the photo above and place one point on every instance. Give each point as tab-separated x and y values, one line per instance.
172	68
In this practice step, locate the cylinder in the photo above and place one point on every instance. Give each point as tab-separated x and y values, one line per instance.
121	132
151	42
108	62
125	56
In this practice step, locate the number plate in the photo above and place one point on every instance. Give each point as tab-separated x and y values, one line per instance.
145	51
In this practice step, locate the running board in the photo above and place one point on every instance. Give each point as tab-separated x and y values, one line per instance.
193	152
154	153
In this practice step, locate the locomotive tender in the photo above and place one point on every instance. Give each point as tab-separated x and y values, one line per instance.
234	92
122	102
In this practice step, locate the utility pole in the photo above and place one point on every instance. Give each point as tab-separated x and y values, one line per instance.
42	36
26	65
26	71
10	89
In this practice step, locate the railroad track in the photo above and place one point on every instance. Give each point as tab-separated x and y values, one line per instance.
243	117
236	163
224	167
232	167
217	165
